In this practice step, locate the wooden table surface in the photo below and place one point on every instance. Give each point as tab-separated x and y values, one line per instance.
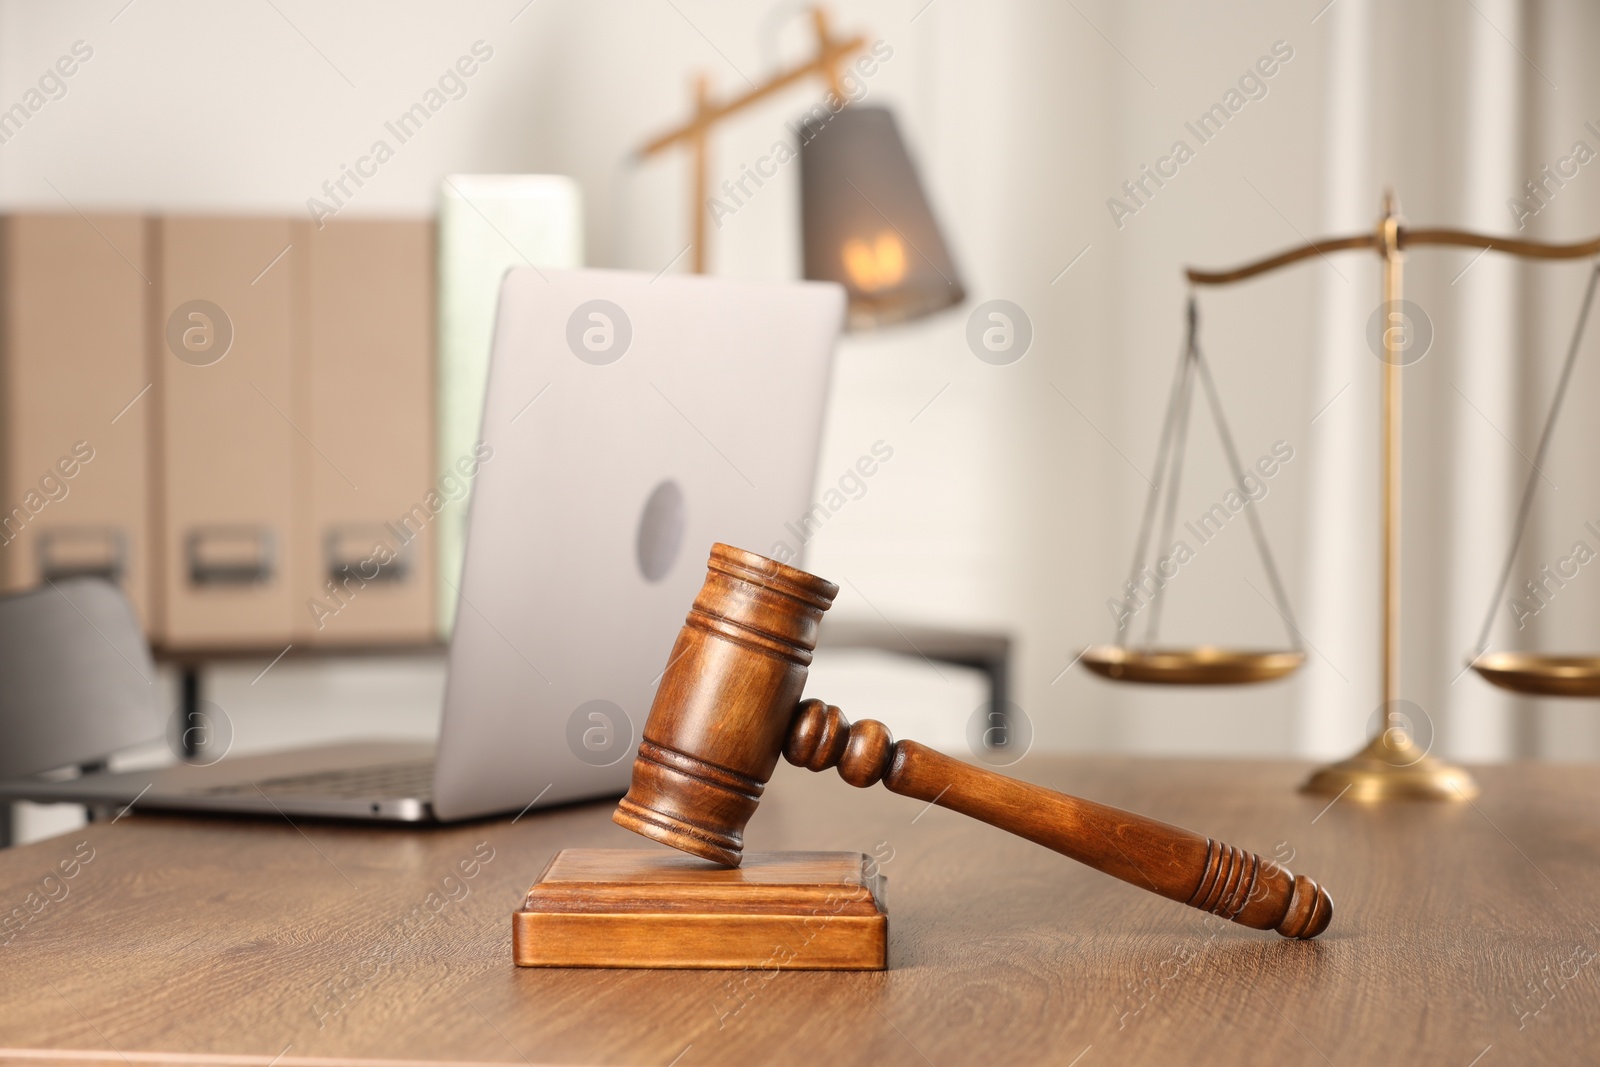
1458	929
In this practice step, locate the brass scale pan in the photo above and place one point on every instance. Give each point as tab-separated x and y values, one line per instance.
1201	665
1540	674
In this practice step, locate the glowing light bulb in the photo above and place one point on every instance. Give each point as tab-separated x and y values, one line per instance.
880	265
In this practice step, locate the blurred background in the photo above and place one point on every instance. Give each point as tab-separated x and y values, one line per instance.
1014	494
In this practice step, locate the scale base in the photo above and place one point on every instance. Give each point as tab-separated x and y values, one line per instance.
1392	767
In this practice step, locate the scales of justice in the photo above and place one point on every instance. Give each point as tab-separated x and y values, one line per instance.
1392	765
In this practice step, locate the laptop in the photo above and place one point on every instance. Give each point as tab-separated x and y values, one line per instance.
630	422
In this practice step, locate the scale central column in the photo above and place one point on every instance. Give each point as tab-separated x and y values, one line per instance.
1393	765
1394	337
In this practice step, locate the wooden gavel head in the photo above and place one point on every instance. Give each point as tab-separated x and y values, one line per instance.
725	704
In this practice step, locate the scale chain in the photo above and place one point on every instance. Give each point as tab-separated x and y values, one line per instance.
1147	522
1175	479
1526	507
1256	531
1170	453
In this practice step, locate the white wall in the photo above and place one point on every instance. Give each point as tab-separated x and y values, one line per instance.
1006	504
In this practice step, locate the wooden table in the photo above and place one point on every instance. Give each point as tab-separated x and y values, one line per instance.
1459	929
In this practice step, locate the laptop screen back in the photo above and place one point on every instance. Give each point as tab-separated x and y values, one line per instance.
630	423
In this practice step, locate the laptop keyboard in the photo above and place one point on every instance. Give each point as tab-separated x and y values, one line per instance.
383	782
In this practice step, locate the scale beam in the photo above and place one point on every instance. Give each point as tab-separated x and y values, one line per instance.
1509	245
1282	259
1434	237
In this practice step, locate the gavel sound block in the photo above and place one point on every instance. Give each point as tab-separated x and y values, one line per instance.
729	704
604	907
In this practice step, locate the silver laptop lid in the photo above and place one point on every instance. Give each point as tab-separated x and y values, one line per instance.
630	423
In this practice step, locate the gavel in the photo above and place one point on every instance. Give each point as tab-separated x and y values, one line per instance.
729	703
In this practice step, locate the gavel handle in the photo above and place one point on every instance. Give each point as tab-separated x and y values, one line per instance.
1176	863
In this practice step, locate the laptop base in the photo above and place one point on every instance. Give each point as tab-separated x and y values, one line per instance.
385	781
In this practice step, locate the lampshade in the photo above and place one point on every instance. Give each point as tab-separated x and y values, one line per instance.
866	222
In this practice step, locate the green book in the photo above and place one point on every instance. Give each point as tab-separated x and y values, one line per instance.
488	224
